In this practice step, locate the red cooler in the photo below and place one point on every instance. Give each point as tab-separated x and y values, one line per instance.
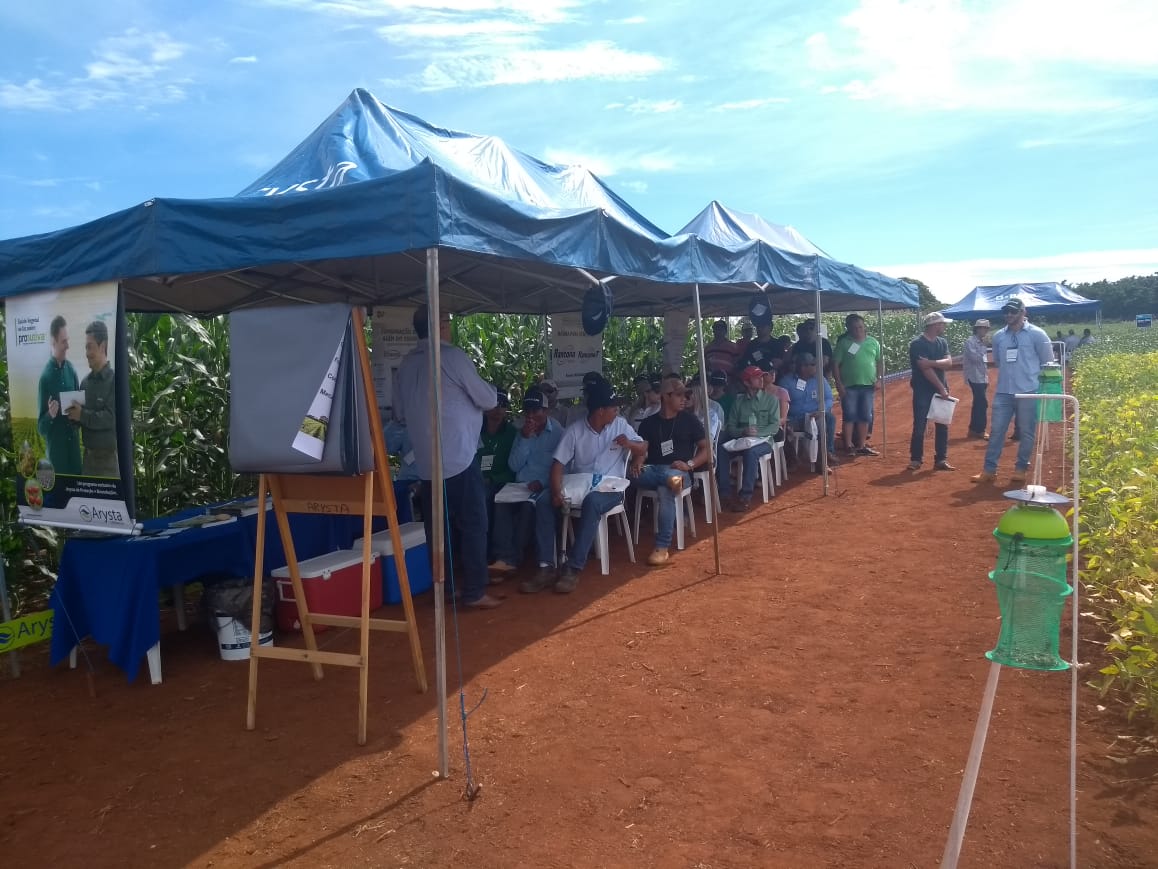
332	585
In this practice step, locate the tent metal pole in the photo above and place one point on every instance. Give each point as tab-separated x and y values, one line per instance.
437	504
711	493
884	371
821	377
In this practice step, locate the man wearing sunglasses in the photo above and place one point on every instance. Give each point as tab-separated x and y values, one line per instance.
1019	350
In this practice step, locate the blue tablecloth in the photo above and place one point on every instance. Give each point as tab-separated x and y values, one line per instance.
108	588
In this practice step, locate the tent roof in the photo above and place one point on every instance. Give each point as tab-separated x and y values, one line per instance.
721	225
349	214
1044	298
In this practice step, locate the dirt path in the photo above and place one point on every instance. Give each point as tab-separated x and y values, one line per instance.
812	707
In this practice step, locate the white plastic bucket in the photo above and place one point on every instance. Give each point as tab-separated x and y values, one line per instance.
233	638
941	409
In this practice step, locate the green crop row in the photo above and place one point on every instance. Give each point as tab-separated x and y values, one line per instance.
1116	383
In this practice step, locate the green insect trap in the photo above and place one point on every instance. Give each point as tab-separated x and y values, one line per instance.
1032	539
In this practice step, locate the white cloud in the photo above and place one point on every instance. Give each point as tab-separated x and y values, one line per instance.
249	58
594	60
541	11
652	107
633	186
1030	56
748	105
950	281
608	165
132	69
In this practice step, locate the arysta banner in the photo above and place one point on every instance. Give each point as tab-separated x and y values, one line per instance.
68	387
392	337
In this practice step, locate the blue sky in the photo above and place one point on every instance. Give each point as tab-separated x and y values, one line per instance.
961	143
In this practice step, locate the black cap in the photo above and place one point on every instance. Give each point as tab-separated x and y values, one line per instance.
718	378
591	378
601	394
1014	305
504	399
534	399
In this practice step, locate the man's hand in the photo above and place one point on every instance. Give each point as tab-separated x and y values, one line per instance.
557	498
750	431
53	408
531	428
634	468
535	487
682	466
74	412
622	441
840	389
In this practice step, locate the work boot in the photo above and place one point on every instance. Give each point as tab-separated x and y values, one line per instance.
1019	475
568	579
659	558
983	477
544	578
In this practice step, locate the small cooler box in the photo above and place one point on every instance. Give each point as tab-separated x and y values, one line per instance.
417	560
332	584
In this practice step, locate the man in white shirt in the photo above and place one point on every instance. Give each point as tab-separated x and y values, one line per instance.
602	444
465	396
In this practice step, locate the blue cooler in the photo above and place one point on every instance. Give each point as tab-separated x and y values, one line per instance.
417	560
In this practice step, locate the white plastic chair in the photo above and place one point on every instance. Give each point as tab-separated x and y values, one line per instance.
711	494
602	543
683	505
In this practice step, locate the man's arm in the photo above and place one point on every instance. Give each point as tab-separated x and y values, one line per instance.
44	419
100	409
461	369
557	483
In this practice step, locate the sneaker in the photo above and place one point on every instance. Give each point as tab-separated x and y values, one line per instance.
1019	476
568	579
833	462
741	505
544	578
486	602
983	477
914	466
944	465
501	566
867	451
659	558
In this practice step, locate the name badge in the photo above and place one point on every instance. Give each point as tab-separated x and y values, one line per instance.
812	393
800	384
757	355
488	462
1011	354
853	349
408	459
666	448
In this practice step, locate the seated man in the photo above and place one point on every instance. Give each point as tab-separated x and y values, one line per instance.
647	404
676	446
781	394
805	403
754	413
600	444
530	461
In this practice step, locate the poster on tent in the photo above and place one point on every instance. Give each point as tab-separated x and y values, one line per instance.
391	338
71	426
675	338
573	353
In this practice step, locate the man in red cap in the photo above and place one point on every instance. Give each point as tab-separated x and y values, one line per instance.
754	414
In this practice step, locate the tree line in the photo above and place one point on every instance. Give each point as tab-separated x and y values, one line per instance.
1123	298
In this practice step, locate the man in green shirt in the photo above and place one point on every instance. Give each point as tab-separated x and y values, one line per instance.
856	365
98	417
754	414
494	454
59	376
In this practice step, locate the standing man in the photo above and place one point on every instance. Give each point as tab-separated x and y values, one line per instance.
601	444
756	414
975	369
722	353
929	359
61	437
98	417
1020	349
857	363
465	396
676	445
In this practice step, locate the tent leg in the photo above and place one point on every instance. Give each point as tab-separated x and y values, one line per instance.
884	371
437	506
708	426
821	378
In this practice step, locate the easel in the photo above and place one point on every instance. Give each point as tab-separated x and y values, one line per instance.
353	495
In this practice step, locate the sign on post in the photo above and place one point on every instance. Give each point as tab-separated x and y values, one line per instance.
24	631
1142	321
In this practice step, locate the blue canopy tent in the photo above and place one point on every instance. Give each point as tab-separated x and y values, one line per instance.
377	206
1046	299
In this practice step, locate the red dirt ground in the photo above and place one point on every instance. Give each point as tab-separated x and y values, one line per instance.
812	706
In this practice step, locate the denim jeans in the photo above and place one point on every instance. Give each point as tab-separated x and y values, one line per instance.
594	506
800	423
511	529
922	399
751	457
978	416
1006	408
656	477
466	512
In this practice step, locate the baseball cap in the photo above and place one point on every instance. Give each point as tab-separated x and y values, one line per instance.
533	399
935	317
1013	305
718	378
591	378
980	323
504	400
601	394
548	387
751	373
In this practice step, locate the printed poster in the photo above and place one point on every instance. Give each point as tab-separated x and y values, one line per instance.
392	337
311	437
573	353
70	414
